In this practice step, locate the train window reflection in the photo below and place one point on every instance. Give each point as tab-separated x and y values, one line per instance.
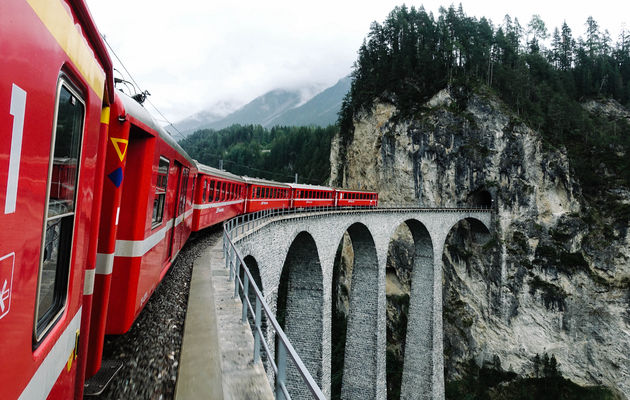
160	192
58	228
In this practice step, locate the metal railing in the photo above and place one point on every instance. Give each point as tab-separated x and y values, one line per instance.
235	263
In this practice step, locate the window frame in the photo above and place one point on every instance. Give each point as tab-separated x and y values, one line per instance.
157	223
43	324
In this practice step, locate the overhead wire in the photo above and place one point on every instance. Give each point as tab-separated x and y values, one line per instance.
138	86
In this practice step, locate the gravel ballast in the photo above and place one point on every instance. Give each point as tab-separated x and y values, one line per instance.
150	350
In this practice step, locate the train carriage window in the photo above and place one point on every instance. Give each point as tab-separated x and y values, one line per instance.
160	192
211	191
59	220
205	184
192	191
183	191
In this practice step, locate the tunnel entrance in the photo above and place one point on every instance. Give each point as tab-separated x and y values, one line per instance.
480	198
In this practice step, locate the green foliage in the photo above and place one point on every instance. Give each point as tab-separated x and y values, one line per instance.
413	55
477	381
277	153
491	382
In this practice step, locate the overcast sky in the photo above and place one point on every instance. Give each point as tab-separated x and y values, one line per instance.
195	55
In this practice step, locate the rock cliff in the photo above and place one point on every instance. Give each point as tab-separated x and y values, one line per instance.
553	279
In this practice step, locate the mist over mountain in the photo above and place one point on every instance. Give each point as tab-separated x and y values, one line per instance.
321	110
278	107
201	119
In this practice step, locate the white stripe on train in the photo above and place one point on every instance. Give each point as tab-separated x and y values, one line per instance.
48	372
138	248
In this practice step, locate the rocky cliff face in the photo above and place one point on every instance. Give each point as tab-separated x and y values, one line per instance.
555	276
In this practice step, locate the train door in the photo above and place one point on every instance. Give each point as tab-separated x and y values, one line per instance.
178	231
175	208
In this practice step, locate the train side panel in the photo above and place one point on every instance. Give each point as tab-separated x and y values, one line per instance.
49	130
155	218
266	196
217	199
312	196
355	198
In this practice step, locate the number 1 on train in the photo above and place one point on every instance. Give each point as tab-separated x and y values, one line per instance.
18	105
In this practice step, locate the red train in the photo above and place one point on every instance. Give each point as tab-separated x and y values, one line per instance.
98	200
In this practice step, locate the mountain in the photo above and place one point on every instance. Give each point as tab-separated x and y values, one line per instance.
204	118
321	110
262	110
277	107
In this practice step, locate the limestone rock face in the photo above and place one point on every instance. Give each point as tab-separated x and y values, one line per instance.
554	277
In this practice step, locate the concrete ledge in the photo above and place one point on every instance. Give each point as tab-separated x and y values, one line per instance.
199	375
217	349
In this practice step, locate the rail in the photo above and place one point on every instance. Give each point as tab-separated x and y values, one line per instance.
235	263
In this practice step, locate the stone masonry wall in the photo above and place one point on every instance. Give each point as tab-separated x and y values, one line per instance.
269	246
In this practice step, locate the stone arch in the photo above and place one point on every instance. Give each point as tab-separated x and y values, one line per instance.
360	377
478	228
300	310
469	284
416	334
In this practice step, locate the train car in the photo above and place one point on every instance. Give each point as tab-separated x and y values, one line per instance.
219	196
356	198
311	196
55	85
155	215
264	195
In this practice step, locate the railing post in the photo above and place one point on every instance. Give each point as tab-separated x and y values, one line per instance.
282	370
236	278
256	333
245	293
225	244
231	257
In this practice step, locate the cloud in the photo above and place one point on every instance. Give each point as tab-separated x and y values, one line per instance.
192	54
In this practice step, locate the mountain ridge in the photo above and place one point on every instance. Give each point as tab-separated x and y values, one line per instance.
276	107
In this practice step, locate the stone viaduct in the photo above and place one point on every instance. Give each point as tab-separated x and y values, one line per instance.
305	245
